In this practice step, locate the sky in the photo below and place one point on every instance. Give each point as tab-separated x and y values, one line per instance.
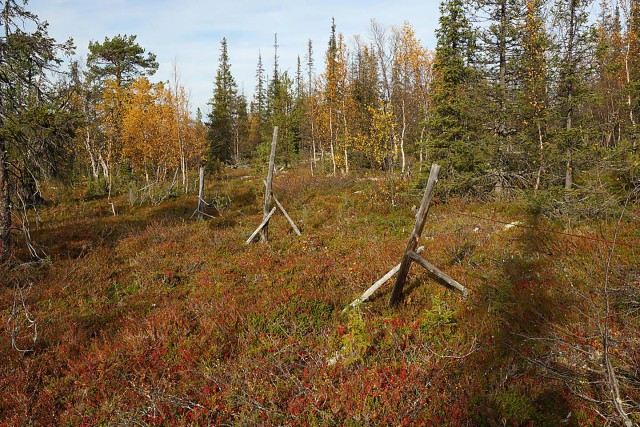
189	32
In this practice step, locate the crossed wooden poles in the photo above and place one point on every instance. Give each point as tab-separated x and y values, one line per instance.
263	228
411	255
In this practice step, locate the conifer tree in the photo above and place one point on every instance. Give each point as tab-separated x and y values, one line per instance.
532	99
331	95
609	84
499	53
573	48
258	108
632	67
112	66
36	128
119	58
363	87
452	126
311	109
224	110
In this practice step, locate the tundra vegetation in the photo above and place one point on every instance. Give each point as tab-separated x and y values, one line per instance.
120	306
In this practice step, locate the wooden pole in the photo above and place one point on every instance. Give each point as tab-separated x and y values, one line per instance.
284	212
438	274
293	224
267	193
396	294
201	202
365	296
261	226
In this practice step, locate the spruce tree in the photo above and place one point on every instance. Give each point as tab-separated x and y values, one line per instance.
224	111
499	53
452	125
632	71
36	126
573	48
532	99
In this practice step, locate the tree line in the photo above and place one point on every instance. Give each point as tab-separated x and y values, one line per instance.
517	94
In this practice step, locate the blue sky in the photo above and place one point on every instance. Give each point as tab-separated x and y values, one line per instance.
190	31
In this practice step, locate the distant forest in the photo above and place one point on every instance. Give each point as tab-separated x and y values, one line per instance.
517	95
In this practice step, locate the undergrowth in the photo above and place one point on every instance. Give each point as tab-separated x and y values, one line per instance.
151	318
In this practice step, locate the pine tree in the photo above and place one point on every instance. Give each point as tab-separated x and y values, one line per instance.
120	58
112	66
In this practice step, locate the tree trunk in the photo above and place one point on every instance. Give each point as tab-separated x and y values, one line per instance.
568	177
346	139
346	161
540	159
5	203
568	180
333	157
103	164
313	143
632	118
402	134
501	131
87	143
201	203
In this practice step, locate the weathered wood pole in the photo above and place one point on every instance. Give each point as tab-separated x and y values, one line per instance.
284	212
267	194
260	227
396	294
437	274
381	281
201	202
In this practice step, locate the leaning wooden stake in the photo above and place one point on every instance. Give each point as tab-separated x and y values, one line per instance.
263	224
267	193
438	274
381	281
410	254
201	202
284	212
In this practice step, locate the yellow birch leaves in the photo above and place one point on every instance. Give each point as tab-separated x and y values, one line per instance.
149	126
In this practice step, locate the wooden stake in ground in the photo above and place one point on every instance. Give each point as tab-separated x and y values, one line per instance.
381	281
201	202
410	254
267	194
263	228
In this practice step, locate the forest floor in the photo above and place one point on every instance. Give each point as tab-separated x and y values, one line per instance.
152	318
